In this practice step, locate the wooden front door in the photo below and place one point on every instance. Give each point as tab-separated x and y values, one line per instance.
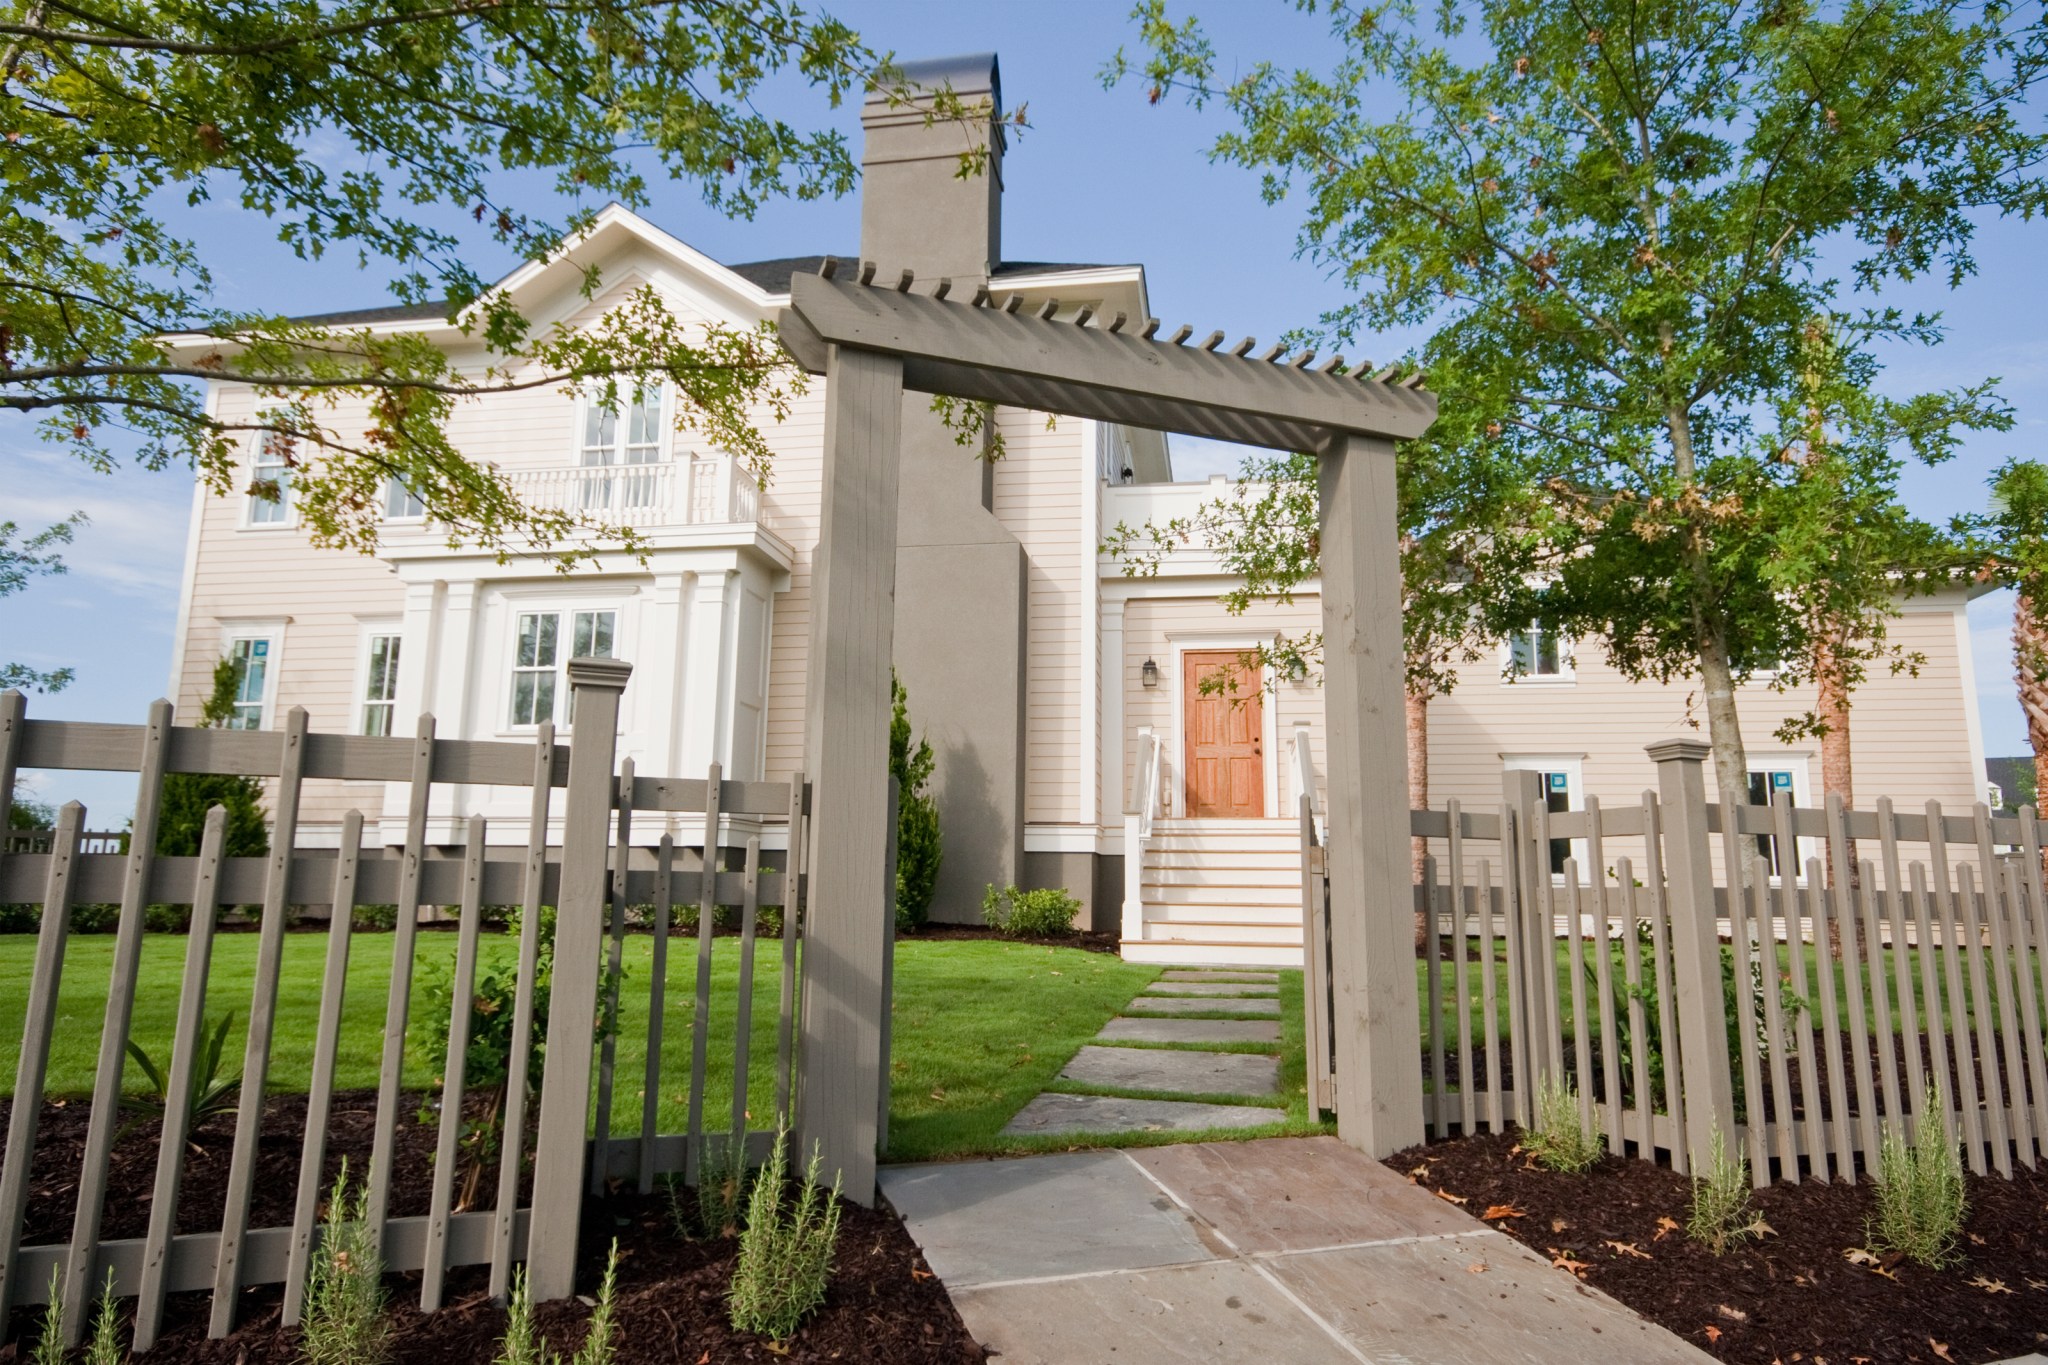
1225	761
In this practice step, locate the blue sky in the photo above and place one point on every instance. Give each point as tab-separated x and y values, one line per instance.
1099	176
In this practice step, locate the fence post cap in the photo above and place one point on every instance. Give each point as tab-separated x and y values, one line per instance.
1678	749
585	671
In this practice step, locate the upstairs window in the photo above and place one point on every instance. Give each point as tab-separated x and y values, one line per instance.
272	475
628	435
400	502
1539	652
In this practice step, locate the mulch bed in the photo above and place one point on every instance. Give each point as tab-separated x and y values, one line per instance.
883	1302
1790	1296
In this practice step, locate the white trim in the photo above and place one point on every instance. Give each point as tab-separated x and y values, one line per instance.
1973	715
188	585
1567	661
565	605
1180	644
1089	773
1065	839
289	503
1797	762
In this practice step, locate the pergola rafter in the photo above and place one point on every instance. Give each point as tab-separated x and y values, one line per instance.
872	343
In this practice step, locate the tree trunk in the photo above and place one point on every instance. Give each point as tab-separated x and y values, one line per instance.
2030	666
1837	775
1417	711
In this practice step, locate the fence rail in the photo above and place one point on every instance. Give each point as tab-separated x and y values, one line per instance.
1800	993
591	880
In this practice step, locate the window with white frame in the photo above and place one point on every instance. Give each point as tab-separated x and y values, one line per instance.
612	437
253	657
1539	652
270	483
1561	781
380	682
400	502
540	659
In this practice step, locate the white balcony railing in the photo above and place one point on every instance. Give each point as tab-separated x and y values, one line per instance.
716	488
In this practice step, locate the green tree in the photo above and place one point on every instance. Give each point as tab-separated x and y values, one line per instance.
1619	221
25	557
189	796
918	853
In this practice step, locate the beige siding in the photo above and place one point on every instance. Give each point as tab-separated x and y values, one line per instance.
1038	497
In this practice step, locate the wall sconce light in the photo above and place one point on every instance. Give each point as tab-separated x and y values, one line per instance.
1297	670
1149	674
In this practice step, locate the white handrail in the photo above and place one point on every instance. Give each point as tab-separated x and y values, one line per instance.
1305	771
1138	817
1150	752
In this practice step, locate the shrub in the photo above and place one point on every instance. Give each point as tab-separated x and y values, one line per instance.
1920	1197
1044	912
50	1345
720	1208
786	1250
522	1343
344	1322
1720	1215
212	1093
167	919
380	919
917	819
1563	1140
104	1348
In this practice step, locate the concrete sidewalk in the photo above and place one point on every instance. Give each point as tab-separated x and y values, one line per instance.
1269	1253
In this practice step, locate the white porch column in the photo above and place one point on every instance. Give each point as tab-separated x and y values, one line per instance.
661	658
419	653
456	713
1110	783
704	672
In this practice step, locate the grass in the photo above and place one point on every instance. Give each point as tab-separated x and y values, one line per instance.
979	1026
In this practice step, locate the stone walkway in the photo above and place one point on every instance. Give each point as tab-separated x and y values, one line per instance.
1198	1049
1282	1251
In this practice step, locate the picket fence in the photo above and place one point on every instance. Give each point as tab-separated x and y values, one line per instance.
591	878
1798	1016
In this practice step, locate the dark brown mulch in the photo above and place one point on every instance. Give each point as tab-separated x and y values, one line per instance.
883	1304
1790	1296
1080	938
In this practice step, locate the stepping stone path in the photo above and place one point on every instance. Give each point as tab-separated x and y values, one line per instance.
1120	1061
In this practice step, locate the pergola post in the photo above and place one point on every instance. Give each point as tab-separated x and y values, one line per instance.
847	709
1372	957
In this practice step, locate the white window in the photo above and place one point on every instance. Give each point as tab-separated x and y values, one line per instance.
400	502
614	437
380	683
540	661
1539	653
253	656
270	483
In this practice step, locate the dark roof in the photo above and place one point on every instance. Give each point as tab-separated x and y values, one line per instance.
770	275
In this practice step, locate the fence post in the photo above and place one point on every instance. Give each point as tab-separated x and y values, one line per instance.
1522	862
560	1145
1695	944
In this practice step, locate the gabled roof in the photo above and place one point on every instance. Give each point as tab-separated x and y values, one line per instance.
769	277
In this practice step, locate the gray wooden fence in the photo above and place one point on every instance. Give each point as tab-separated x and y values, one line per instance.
1861	959
591	879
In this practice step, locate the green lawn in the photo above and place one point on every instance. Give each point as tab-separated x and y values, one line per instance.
979	1027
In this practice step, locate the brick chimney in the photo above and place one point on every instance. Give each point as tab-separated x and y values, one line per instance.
960	573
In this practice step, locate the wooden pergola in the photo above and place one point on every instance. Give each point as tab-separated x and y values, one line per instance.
871	343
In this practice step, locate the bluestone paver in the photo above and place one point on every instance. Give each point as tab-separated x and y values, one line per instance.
1190	1073
986	1221
1203	974
1057	1113
1168	1004
1168	1030
1237	988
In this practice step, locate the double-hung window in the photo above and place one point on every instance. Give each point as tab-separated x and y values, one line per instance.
1766	786
1539	652
400	502
252	657
541	654
380	683
616	437
270	483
